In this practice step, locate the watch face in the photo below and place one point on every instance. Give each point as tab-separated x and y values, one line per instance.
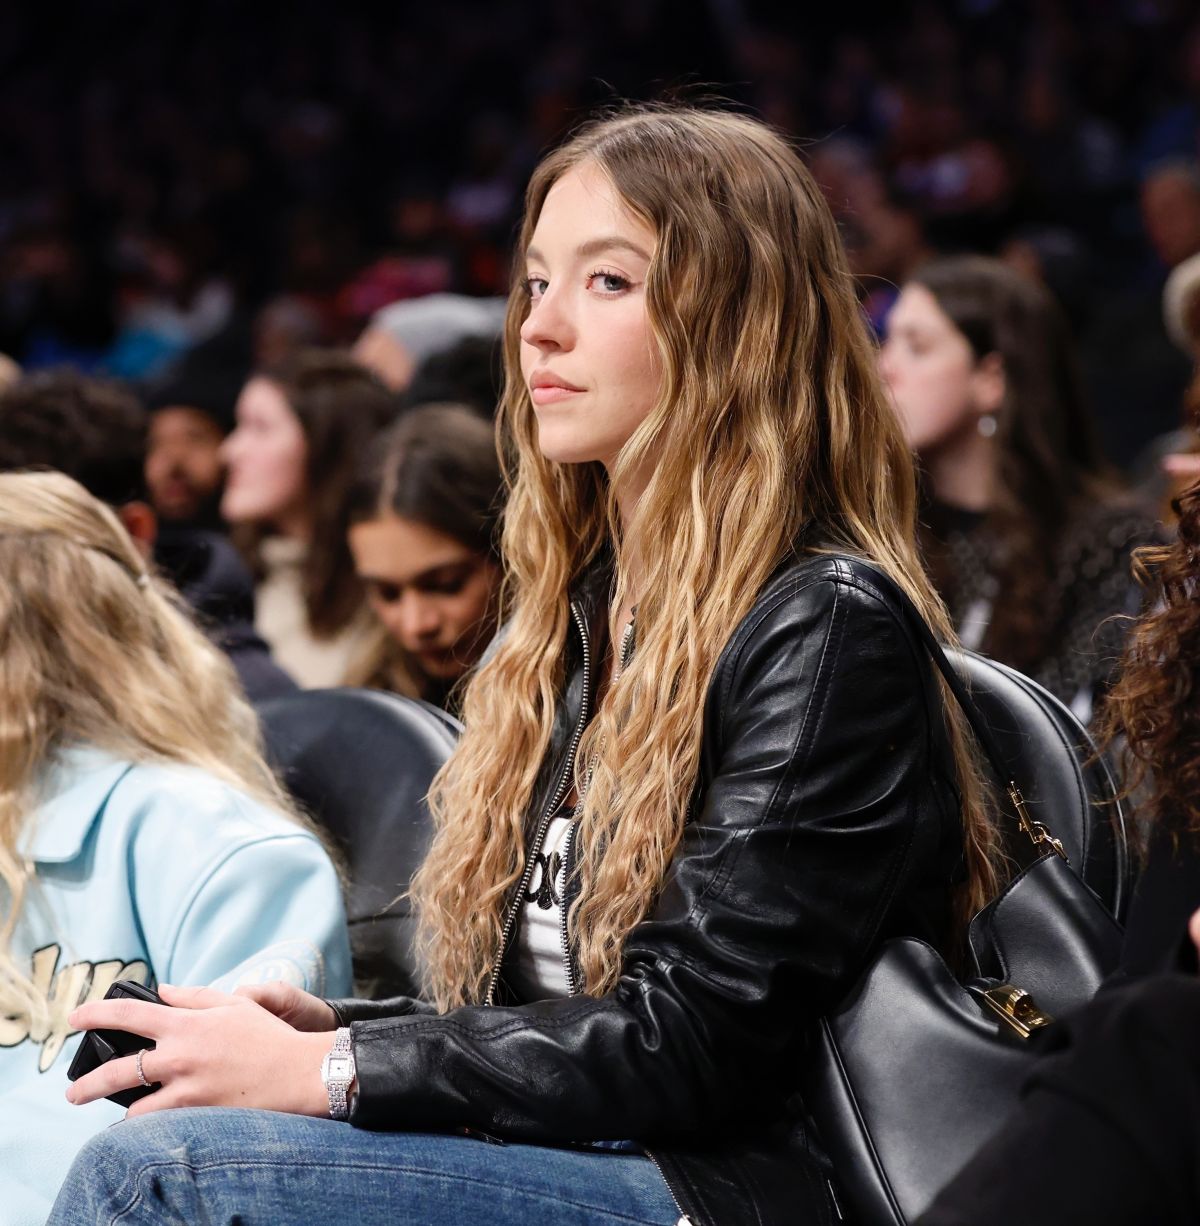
340	1068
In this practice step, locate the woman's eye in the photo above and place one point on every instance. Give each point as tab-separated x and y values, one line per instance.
446	587
535	287
608	282
386	593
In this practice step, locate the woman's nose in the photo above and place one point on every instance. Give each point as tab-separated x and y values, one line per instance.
416	619
548	324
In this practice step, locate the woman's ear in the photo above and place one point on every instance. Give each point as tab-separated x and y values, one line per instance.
139	520
988	384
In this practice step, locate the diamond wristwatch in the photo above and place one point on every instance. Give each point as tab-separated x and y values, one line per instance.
337	1072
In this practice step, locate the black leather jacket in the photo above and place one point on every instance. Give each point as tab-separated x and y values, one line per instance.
824	821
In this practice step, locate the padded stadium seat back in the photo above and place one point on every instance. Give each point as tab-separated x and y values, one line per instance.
1064	784
360	762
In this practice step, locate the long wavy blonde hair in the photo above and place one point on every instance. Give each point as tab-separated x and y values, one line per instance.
94	649
771	417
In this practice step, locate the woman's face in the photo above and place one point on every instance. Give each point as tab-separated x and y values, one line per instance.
930	369
266	456
434	595
587	353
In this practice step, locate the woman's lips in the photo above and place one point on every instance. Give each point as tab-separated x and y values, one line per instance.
551	393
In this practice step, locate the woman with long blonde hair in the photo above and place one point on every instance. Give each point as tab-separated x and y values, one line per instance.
142	835
706	766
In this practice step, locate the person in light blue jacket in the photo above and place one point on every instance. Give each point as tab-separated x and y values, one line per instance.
142	835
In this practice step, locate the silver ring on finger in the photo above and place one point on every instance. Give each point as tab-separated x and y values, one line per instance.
140	1071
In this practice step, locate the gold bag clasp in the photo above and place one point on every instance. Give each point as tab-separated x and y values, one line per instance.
1016	1008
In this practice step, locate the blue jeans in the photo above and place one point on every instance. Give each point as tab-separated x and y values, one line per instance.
219	1165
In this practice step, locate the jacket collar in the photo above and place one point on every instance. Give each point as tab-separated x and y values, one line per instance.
592	587
75	789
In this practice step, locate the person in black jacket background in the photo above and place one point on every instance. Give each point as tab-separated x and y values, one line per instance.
706	766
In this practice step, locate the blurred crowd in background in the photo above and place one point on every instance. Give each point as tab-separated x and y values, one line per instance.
170	173
308	214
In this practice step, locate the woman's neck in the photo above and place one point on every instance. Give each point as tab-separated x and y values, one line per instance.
296	525
961	473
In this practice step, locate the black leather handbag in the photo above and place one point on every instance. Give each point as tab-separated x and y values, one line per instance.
917	1069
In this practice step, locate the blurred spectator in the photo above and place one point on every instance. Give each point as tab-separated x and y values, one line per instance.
91	429
96	433
1053	256
138	200
470	373
10	372
301	429
421	258
283	327
403	335
170	300
1136	375
1181	306
1171	463
1026	534
57	303
424	518
882	230
184	472
1170	202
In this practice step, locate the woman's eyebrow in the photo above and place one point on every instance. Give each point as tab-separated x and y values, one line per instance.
434	573
597	246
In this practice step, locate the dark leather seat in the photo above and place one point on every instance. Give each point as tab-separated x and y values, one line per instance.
360	762
1065	784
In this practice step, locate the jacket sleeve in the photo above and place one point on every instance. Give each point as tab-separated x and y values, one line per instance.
271	909
817	740
233	895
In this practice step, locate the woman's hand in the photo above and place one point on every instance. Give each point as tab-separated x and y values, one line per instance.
212	1050
292	1004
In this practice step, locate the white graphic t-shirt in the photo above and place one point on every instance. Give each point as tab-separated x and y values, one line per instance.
539	969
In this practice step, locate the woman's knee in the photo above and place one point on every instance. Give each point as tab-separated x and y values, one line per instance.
152	1161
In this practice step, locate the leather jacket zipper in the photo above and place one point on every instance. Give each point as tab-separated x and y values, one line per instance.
555	800
684	1220
564	936
562	912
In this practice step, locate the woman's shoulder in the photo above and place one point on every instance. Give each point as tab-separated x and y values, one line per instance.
191	794
85	788
1109	528
820	584
823	610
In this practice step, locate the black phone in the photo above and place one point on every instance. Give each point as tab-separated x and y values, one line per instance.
100	1046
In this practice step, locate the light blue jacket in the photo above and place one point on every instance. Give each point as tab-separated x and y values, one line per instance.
159	874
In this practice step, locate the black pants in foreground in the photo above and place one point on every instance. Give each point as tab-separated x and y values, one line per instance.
1108	1128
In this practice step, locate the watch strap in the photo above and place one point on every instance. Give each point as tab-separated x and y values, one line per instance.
336	1087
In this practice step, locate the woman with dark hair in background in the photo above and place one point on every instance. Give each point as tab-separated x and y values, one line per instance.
1026	534
301	431
424	517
